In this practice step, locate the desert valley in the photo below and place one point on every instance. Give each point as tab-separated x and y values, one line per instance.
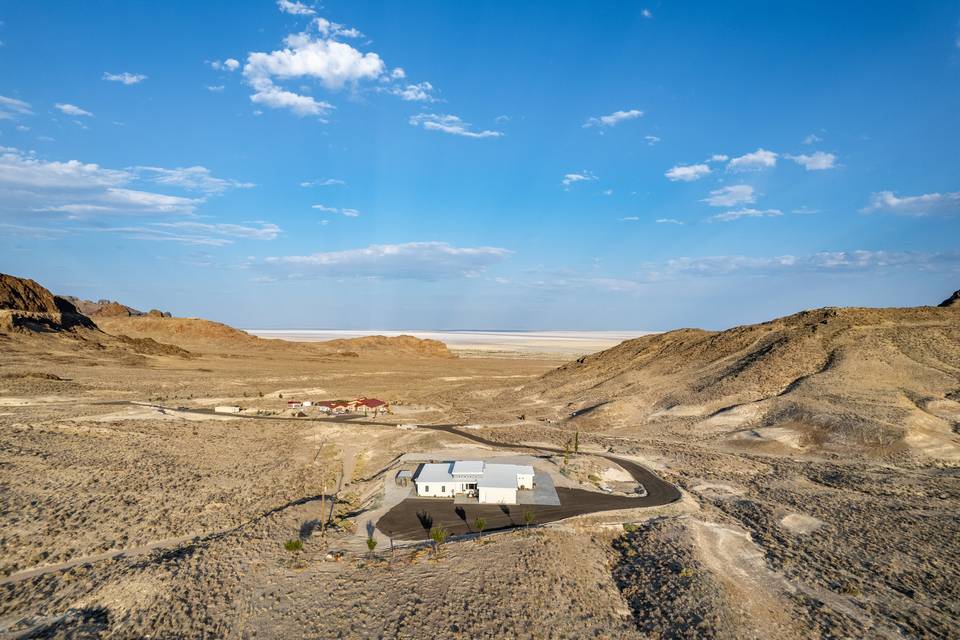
176	477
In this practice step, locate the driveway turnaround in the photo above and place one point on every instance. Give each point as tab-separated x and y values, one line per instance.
413	518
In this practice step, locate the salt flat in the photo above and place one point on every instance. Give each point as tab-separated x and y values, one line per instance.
568	343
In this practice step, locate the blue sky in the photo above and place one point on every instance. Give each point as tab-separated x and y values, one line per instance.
536	165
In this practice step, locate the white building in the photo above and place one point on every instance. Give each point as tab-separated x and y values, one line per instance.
490	483
227	409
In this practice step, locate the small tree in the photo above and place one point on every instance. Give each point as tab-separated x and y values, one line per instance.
371	544
293	545
439	535
480	524
528	517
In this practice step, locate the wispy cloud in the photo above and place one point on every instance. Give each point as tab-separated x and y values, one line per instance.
407	261
350	213
651	140
191	178
755	161
922	205
215	88
573	178
816	161
731	196
613	119
687	173
323	182
72	110
630	219
668	221
450	124
31	184
812	139
124	78
826	261
11	108
729	216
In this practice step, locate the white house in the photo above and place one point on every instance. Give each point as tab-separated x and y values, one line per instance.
227	409
490	483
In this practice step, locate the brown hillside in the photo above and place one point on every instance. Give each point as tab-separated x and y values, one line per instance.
398	344
881	379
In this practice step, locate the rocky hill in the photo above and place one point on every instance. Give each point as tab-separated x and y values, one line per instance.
111	309
25	305
883	380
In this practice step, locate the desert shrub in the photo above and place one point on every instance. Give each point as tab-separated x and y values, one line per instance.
371	543
293	545
629	527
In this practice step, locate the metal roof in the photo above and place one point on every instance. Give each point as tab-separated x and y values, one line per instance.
467	467
435	472
503	476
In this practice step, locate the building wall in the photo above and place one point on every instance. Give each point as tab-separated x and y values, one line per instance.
524	481
497	495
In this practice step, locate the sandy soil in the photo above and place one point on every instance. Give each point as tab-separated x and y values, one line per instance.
123	520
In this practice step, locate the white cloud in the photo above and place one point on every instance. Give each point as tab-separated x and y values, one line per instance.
22	127
817	161
326	182
192	178
29	184
608	192
805	210
630	219
668	221
230	64
331	30
731	196
759	159
72	110
398	73
265	230
646	13
11	108
718	157
334	64
812	139
450	124
125	77
613	119
295	8
349	213
25	172
922	205
420	92
572	178
217	88
651	140
276	98
687	173
729	216
412	260
115	200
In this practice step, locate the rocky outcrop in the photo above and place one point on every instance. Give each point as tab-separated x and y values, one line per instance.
403	344
952	301
25	305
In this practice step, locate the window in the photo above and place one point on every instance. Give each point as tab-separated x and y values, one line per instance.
426	488
443	488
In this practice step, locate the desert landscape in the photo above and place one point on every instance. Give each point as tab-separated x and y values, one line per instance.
802	481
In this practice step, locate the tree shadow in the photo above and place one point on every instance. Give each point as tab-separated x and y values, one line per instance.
506	510
426	520
370	528
462	514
